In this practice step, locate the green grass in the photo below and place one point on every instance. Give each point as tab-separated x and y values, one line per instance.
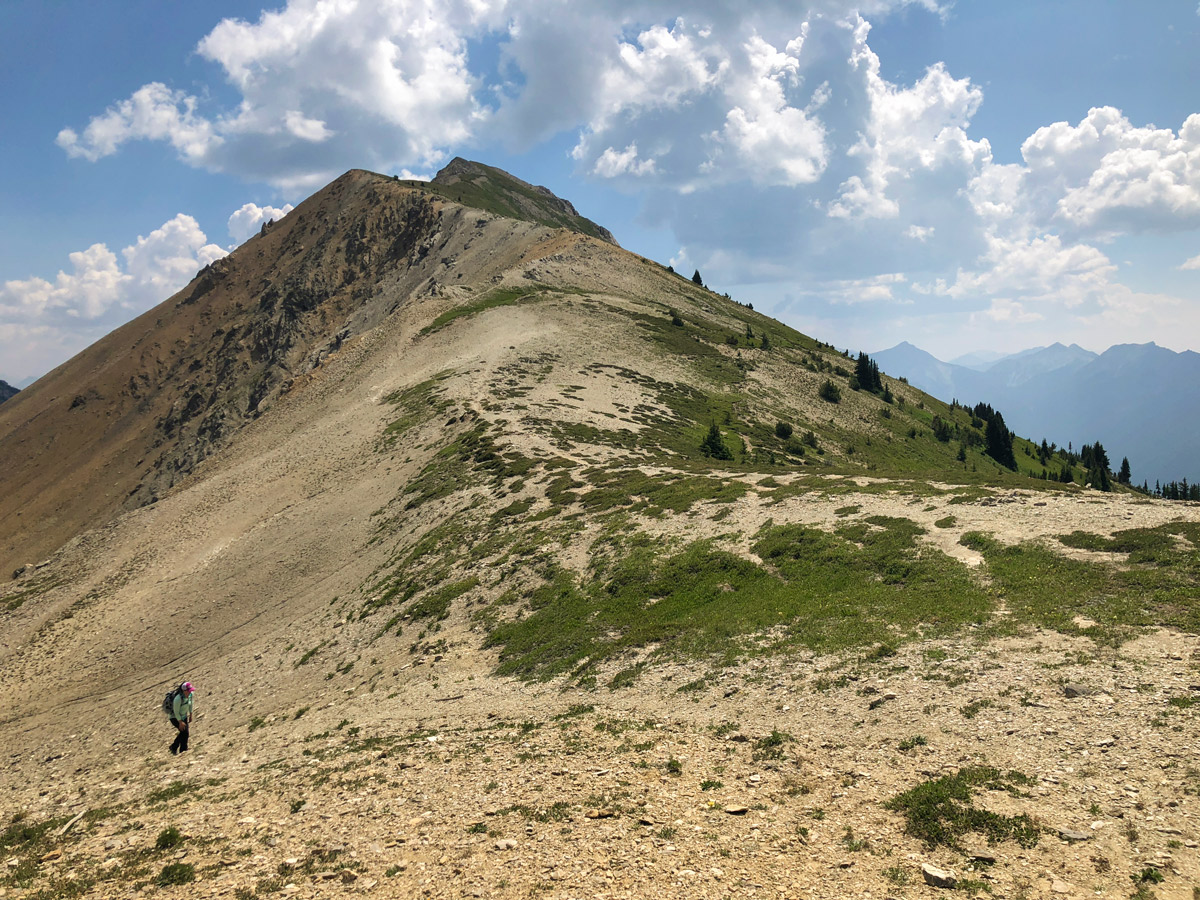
940	812
417	404
176	873
500	194
491	300
1157	584
171	791
818	590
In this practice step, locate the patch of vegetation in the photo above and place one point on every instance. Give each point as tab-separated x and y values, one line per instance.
436	605
819	590
491	300
771	746
1156	586
917	740
940	812
945	522
418	404
176	873
975	707
34	588
167	838
170	792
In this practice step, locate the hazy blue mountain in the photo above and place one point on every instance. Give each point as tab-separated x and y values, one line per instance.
6	390
1139	400
944	380
1019	368
980	360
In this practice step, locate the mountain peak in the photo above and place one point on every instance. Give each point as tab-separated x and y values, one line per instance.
496	191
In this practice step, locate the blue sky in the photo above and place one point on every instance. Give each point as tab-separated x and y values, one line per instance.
965	176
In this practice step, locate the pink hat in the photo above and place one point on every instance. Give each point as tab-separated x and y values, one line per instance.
187	687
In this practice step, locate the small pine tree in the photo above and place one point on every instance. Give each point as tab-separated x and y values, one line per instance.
697	279
1124	475
713	445
999	441
829	392
766	344
941	430
783	430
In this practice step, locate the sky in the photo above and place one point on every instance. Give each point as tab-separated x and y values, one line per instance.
967	176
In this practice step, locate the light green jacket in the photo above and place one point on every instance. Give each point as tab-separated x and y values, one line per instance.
183	708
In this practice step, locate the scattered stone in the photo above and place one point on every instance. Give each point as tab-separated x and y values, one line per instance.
1071	836
506	844
935	877
599	814
52	855
983	856
737	810
71	824
347	876
1078	690
1060	887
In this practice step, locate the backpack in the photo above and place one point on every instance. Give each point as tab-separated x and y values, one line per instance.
168	704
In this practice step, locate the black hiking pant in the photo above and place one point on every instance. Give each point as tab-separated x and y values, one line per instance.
181	738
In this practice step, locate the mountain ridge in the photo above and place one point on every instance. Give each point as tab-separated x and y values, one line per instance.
1070	395
520	564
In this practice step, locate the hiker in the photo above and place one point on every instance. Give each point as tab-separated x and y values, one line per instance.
180	714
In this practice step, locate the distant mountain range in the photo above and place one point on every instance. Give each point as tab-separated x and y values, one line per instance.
1139	400
7	390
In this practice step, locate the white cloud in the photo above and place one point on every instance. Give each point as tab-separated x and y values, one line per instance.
612	163
1192	264
1006	311
95	284
43	321
1107	176
1043	268
246	221
907	131
154	112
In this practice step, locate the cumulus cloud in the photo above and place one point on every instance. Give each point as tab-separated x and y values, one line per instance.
1106	175
155	113
1192	264
44	321
612	163
246	221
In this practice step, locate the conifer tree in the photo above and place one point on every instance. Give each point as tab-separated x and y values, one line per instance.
999	441
697	279
713	445
1124	475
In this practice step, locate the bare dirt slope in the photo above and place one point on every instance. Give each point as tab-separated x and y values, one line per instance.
336	753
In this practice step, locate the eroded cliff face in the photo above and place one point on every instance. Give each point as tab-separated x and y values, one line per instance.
130	417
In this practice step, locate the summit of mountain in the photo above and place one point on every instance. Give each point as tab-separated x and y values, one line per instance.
7	391
488	188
